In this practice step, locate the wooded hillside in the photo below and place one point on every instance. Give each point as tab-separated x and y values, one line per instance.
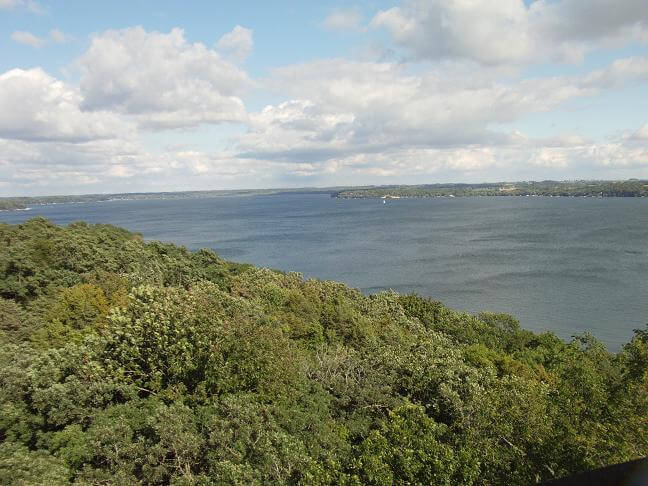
127	362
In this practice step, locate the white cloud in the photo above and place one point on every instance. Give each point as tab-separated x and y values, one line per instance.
161	80
59	36
344	19
49	145
55	137
479	162
31	5
37	107
362	122
238	43
342	107
642	133
24	37
335	121
296	130
27	38
618	72
490	32
508	31
71	167
119	165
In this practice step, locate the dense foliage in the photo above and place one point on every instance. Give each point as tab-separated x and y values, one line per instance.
126	362
629	188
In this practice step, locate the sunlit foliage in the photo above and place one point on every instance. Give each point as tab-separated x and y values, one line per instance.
126	362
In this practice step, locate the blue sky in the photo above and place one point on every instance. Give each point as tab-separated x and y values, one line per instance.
147	96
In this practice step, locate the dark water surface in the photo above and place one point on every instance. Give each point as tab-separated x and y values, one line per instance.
563	264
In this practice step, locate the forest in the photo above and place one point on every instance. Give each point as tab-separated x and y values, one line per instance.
130	362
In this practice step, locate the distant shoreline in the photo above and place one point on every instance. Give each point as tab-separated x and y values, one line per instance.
583	188
595	189
22	203
481	195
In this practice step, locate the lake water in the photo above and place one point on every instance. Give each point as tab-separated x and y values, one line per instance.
563	264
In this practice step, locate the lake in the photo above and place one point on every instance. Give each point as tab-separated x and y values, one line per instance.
567	265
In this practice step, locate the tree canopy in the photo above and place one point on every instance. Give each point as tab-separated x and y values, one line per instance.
133	362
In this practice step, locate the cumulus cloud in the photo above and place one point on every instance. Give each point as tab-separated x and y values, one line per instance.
118	165
641	134
334	120
34	106
509	31
238	43
296	130
71	168
161	80
342	107
485	31
618	72
344	19
529	159
49	144
370	122
27	38
62	138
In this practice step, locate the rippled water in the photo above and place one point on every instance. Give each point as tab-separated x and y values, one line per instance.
563	264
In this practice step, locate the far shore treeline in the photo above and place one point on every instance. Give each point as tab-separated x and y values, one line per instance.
629	188
130	362
24	202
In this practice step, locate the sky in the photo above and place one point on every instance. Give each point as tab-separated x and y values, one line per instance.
104	97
